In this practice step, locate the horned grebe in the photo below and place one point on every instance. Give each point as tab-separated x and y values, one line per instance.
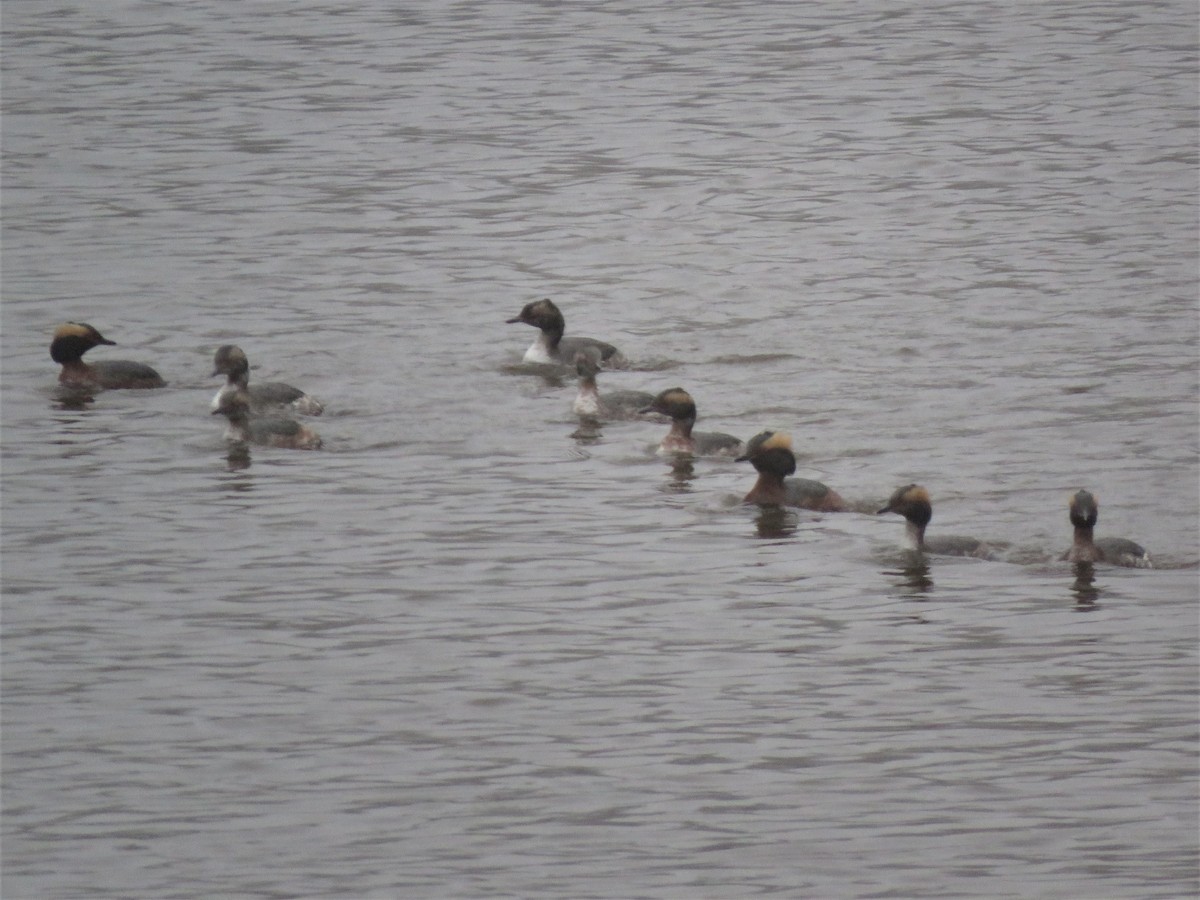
551	347
73	339
231	361
912	502
771	454
1084	511
269	431
590	403
678	405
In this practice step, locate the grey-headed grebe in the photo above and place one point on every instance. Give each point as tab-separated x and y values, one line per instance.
269	431
1084	511
912	502
73	339
770	452
231	361
551	347
590	403
678	405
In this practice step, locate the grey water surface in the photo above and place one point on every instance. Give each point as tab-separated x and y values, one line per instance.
477	648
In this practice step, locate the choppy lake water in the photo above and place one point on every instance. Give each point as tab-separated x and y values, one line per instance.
475	649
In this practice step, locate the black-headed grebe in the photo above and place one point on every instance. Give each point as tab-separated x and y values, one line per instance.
269	431
771	454
1084	511
230	361
551	348
912	502
678	405
590	403
73	339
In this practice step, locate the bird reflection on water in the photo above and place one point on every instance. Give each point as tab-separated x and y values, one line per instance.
912	577
589	431
238	457
775	522
683	471
74	397
1084	588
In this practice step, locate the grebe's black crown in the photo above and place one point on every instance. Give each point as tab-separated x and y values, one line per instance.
1084	510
